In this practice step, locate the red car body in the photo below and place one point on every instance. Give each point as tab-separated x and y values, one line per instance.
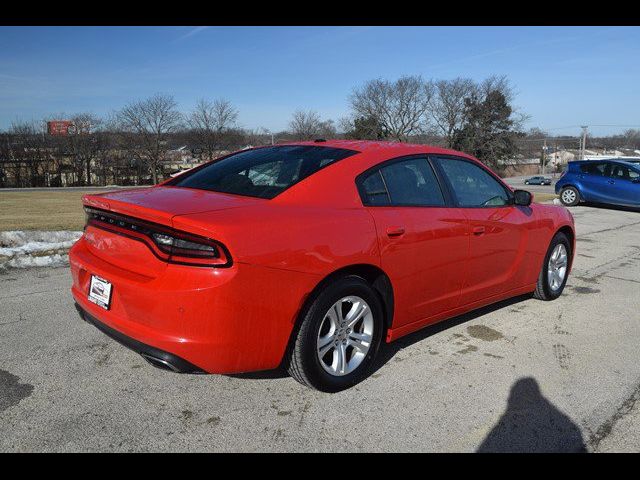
438	262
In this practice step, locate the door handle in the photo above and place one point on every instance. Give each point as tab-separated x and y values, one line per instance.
612	182
478	230
395	231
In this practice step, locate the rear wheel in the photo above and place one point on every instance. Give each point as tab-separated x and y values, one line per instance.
555	269
339	336
570	196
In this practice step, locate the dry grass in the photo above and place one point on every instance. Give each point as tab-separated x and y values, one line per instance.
41	210
543	197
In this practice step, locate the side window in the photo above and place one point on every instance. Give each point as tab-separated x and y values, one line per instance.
599	169
472	185
375	190
408	182
621	172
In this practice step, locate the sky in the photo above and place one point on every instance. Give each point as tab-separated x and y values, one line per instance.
563	76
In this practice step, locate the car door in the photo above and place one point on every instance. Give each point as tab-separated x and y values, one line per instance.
424	243
623	185
594	181
502	253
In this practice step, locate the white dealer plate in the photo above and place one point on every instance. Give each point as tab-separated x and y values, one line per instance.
100	292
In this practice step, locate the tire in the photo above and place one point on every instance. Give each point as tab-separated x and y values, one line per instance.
304	363
570	196
544	288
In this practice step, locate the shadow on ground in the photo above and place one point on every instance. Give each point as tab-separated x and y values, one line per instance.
389	350
531	423
606	206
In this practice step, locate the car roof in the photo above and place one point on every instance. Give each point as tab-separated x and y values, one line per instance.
379	146
626	162
334	185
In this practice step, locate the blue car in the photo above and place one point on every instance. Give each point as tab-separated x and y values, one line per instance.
614	182
537	181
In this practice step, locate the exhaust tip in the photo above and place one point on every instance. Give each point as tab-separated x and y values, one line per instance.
160	363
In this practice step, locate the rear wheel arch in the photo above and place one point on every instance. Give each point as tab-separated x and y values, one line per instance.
372	274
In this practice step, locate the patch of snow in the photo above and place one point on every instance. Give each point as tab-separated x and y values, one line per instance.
24	249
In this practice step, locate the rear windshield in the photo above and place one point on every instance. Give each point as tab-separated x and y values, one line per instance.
263	172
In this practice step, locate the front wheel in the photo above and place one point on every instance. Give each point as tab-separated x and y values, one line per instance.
339	336
570	196
555	269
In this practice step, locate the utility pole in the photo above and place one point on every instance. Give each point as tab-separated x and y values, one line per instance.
584	141
544	155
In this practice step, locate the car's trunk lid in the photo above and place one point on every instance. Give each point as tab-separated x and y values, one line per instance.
161	203
157	204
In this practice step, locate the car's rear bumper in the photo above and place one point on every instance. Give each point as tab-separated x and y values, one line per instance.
155	356
228	320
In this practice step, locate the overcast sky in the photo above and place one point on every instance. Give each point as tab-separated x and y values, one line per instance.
564	76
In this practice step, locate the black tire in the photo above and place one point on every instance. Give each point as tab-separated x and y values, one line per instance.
303	363
543	288
576	200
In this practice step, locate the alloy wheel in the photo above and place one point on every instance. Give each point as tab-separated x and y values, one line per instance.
345	336
557	268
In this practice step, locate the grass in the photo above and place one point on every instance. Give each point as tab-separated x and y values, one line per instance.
41	210
543	197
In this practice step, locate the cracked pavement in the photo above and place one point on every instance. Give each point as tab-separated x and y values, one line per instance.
523	375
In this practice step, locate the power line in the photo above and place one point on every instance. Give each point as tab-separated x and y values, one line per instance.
592	125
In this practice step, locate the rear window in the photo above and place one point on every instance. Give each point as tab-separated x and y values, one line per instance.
263	172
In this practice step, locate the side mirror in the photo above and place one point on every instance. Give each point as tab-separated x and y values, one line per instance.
522	197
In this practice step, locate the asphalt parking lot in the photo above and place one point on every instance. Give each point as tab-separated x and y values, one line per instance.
521	375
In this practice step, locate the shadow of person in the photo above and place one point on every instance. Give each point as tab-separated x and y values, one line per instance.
532	424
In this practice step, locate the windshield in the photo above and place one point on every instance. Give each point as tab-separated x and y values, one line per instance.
262	172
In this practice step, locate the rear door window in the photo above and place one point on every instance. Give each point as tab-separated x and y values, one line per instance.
598	169
409	182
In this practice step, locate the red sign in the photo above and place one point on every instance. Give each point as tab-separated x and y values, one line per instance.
60	127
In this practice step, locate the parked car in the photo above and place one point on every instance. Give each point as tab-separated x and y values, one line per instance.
309	255
613	182
537	181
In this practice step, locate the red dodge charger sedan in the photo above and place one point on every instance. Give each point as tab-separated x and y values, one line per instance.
308	255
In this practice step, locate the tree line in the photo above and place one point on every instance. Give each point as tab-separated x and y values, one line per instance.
134	144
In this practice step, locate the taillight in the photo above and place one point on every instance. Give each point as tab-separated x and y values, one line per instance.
166	243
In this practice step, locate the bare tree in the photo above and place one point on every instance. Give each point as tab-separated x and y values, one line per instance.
210	124
631	138
83	144
306	125
151	121
447	106
327	129
28	153
398	107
